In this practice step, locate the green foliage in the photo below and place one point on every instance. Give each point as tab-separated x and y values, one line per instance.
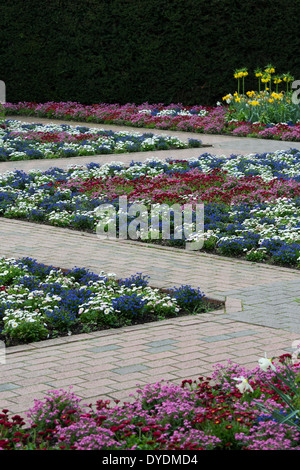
2	113
26	332
287	388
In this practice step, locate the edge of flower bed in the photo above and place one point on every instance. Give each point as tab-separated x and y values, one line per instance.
149	245
229	305
139	128
223	305
206	254
136	129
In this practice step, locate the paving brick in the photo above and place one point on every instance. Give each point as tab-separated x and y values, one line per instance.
130	369
8	386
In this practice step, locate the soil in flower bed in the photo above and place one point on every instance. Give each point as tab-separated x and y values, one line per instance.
39	302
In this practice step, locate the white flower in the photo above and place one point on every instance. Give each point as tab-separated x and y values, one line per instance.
243	385
265	363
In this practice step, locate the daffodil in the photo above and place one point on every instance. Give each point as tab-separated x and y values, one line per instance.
277	96
254	103
265	363
227	98
244	385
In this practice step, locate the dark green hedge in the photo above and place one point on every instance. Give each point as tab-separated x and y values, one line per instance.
141	50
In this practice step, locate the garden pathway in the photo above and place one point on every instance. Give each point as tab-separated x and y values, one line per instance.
260	316
215	144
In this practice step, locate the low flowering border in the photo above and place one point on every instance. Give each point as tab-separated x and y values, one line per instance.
251	203
39	302
234	409
19	141
197	118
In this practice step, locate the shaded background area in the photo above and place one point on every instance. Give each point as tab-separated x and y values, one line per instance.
180	51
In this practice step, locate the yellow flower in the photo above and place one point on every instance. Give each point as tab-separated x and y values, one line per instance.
258	71
254	103
251	93
269	69
240	73
271	100
277	96
287	77
227	98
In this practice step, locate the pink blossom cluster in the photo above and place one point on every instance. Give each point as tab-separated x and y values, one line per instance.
203	119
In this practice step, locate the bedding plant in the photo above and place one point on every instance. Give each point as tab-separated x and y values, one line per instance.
251	203
29	141
252	209
219	119
268	106
234	409
39	302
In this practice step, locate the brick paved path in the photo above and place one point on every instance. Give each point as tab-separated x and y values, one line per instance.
261	314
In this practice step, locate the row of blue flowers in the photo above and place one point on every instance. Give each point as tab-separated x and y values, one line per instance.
38	302
228	229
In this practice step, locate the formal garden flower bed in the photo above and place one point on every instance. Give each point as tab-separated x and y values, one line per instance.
251	203
39	302
220	119
20	141
234	409
251	210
